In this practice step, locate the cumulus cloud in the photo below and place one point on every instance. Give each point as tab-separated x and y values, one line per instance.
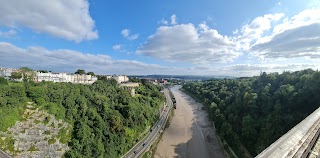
173	19
64	60
8	33
298	42
64	19
295	37
250	33
126	34
187	43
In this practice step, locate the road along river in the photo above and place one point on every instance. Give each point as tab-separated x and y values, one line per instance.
190	134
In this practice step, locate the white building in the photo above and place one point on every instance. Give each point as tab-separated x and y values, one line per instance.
43	77
64	77
5	73
121	78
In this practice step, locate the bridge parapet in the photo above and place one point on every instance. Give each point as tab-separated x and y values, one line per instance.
297	142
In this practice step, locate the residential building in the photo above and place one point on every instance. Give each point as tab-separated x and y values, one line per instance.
6	72
121	78
64	77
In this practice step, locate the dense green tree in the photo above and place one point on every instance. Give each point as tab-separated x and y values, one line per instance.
80	72
3	81
135	79
91	73
105	119
16	75
258	109
27	74
43	71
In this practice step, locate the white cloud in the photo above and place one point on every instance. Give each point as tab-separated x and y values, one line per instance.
173	19
164	22
8	33
253	31
295	37
133	37
304	18
64	19
116	47
126	34
186	43
64	60
314	4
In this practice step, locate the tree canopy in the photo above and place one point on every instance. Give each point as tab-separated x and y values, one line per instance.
80	72
3	81
106	120
91	73
16	75
256	111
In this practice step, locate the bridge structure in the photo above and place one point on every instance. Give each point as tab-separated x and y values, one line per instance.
302	141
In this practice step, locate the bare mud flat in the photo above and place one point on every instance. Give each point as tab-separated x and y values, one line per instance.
190	134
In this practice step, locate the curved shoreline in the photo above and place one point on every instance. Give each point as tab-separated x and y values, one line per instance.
190	133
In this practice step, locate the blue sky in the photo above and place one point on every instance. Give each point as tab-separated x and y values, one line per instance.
183	37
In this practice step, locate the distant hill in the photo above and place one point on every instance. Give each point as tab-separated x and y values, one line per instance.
185	77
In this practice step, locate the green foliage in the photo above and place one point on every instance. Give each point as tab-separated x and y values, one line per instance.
33	148
80	71
8	116
3	81
105	120
27	74
16	75
63	135
43	71
91	73
25	69
51	141
55	109
135	79
257	111
12	99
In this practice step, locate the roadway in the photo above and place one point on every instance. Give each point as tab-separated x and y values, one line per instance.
147	141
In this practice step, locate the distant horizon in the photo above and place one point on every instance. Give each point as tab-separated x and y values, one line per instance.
174	75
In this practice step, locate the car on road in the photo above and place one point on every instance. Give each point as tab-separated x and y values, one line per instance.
135	152
144	144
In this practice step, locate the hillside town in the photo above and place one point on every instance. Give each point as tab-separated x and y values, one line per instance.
76	78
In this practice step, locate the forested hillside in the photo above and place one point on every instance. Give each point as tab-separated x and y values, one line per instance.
257	111
105	119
